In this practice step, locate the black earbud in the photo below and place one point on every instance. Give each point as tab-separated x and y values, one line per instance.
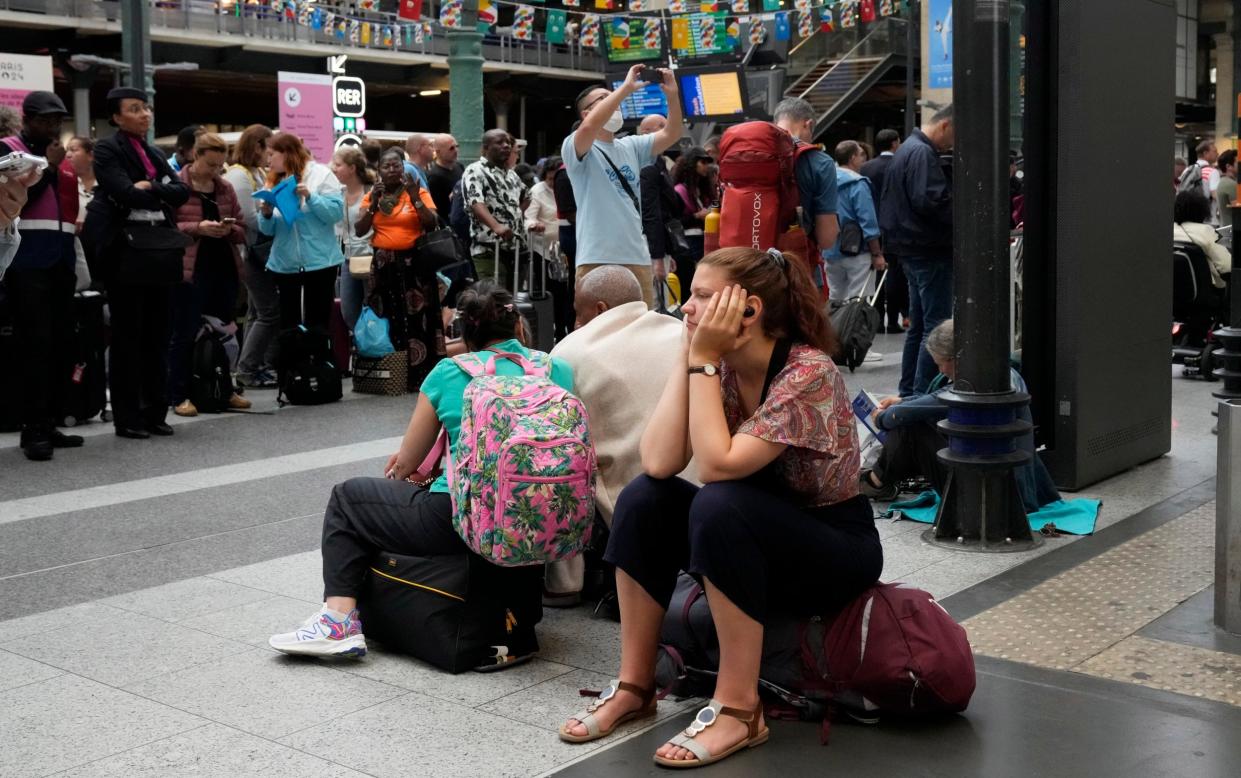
748	312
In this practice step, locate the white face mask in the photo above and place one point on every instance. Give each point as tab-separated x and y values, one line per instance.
614	122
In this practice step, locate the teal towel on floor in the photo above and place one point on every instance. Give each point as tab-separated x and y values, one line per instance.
1076	516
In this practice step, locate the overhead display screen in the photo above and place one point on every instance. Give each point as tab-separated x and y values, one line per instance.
712	93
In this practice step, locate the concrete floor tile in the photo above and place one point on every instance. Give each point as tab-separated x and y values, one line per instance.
265	693
439	738
124	649
18	671
72	615
181	600
299	576
68	720
213	750
549	704
574	637
254	622
470	689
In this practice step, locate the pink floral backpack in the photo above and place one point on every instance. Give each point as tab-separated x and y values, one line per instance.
522	472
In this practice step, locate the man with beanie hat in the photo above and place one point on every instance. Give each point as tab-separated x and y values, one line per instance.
39	284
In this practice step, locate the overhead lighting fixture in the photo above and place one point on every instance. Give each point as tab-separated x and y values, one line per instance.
431	93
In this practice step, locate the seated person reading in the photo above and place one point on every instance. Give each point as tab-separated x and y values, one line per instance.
368	515
779	526
913	439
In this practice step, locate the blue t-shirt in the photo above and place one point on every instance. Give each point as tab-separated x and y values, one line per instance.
417	173
445	388
609	227
816	183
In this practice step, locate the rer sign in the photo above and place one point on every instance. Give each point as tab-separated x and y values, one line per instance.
348	96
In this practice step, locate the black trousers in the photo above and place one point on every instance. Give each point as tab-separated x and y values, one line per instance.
894	298
318	287
138	361
213	292
910	451
368	515
764	553
42	306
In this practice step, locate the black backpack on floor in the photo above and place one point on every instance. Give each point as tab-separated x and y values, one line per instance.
305	369
211	384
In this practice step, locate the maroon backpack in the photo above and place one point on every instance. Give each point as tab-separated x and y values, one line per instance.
897	648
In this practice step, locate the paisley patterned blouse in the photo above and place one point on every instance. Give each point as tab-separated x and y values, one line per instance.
807	408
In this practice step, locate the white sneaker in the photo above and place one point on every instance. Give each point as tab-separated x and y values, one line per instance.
873	356
324	635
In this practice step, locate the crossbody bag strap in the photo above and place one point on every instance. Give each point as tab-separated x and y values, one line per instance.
633	198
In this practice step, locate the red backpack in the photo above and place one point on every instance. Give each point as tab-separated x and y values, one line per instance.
757	174
897	648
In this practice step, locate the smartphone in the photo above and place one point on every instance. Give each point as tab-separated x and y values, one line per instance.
228	220
19	163
652	75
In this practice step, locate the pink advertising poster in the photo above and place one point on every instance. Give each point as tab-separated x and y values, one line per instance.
21	74
306	110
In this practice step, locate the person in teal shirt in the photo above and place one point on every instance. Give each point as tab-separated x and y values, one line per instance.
407	512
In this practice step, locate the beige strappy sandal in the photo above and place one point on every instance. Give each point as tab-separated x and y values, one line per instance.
589	721
705	718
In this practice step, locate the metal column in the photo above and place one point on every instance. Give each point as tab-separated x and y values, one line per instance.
1228	519
465	83
982	508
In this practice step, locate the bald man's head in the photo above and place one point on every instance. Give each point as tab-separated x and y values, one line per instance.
420	149
446	150
652	123
604	288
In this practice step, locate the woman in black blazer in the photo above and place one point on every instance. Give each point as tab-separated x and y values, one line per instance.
136	185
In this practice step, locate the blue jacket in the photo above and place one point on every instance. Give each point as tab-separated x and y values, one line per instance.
1033	481
854	205
310	243
916	212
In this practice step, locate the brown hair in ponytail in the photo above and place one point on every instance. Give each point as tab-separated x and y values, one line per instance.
791	304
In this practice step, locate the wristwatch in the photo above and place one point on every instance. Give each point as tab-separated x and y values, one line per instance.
707	369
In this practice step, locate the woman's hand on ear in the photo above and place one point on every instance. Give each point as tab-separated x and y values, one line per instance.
720	331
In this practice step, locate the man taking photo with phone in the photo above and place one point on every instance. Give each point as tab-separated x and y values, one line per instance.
605	173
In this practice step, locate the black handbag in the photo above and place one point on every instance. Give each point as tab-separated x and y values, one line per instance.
678	244
851	239
436	249
151	253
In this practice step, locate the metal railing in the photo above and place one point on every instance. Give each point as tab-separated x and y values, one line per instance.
885	39
270	21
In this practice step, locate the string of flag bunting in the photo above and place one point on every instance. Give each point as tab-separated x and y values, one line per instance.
708	20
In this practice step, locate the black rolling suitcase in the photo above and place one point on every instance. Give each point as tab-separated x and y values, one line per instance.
537	308
458	612
86	393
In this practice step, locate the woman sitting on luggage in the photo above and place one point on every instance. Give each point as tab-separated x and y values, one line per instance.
779	527
913	439
400	211
368	515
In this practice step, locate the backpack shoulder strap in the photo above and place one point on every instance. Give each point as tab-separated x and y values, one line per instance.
470	364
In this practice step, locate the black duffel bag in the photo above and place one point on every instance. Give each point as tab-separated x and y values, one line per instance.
456	611
150	254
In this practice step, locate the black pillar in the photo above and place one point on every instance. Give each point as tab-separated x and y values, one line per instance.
982	508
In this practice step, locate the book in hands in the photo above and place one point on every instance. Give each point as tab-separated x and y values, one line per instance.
283	197
864	407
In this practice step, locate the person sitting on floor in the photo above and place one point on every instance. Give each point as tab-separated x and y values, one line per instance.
622	356
367	515
913	439
779	526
